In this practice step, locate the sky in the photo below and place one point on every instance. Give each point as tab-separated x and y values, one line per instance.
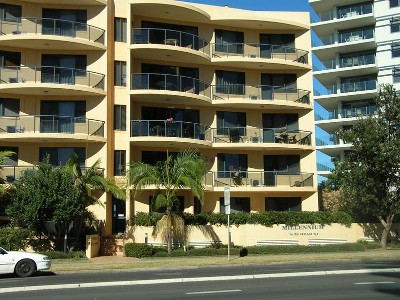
287	5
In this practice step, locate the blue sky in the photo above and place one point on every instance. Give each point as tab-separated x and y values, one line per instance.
292	5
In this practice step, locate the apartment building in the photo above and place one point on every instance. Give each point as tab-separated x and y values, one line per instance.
233	84
356	49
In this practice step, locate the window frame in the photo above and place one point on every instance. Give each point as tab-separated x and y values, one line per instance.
120	117
119	162
120	73
120	30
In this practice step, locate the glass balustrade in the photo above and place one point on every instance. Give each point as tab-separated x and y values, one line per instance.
171	38
47	26
51	124
327	140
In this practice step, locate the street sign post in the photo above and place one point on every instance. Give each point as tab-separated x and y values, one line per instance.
227	204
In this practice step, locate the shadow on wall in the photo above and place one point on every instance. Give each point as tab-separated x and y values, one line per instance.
374	231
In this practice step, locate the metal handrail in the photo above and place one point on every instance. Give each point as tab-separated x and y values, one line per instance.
50	26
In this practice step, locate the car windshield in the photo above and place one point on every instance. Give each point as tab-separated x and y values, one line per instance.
2	251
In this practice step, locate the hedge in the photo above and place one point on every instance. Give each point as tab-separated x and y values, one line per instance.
138	250
267	219
62	255
14	239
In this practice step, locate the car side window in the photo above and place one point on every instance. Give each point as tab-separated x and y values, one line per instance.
2	251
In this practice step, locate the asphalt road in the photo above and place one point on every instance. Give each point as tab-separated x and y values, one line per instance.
284	281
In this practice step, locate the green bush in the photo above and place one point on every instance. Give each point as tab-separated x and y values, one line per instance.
62	255
265	250
138	250
14	239
267	219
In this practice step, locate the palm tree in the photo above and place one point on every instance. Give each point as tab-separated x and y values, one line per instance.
90	182
186	170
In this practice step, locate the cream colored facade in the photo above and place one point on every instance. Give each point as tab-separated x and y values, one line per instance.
203	77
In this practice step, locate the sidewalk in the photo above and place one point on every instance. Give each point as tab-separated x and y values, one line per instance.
119	263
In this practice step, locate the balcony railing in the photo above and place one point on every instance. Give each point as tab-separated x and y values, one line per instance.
348	87
348	113
260	92
51	124
347	37
253	50
162	128
260	135
325	167
154	81
346	62
259	179
347	12
47	26
10	173
49	74
171	38
327	140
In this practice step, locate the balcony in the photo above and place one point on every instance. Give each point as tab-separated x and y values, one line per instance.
253	137
176	45
260	94
347	87
69	129
348	62
269	56
349	113
327	140
344	13
151	85
11	173
257	179
160	131
51	34
50	80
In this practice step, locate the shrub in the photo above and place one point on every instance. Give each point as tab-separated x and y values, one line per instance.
305	249
14	239
62	255
138	250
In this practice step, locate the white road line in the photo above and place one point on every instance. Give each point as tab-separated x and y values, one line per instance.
190	279
213	292
377	282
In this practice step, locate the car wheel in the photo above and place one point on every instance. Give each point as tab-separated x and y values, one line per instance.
25	268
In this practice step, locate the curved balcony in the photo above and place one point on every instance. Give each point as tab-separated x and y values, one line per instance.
176	45
52	34
158	87
260	180
50	127
259	56
251	137
159	132
70	2
50	81
241	95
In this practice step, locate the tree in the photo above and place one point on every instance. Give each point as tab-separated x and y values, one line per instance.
89	183
3	157
185	170
45	194
369	176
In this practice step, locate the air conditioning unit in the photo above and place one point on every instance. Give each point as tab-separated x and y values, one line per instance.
253	97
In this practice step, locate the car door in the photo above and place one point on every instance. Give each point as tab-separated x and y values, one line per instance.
5	261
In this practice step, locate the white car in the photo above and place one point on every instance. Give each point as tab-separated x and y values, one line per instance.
23	264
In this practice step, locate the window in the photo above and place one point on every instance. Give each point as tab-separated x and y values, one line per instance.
227	120
394	3
178	206
119	117
119	162
75	109
238	205
13	159
396	75
196	205
10	59
283	204
120	30
10	12
9	107
153	157
396	50
70	21
120	73
229	164
230	82
395	25
229	41
63	68
60	156
282	163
